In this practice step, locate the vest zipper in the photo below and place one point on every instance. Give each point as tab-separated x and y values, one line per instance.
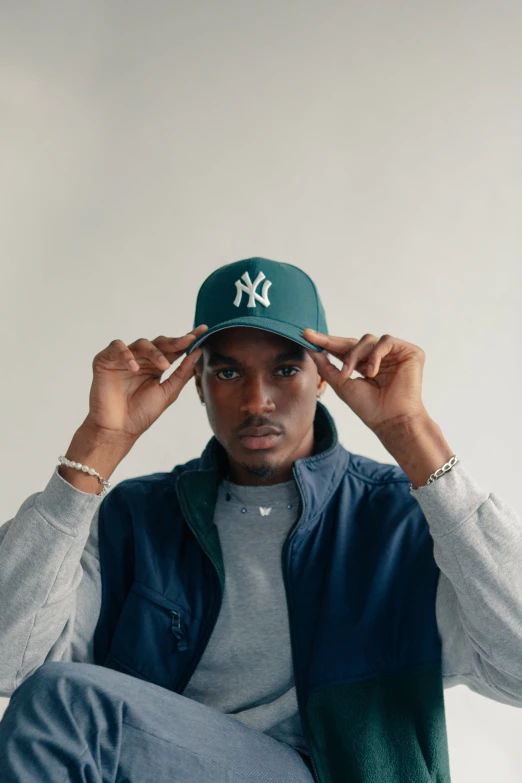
177	630
292	646
198	654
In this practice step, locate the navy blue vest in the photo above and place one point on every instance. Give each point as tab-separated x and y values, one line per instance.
360	581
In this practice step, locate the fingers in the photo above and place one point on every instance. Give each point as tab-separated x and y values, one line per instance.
173	347
164	350
325	368
145	349
160	352
351	351
183	373
119	356
336	345
335	376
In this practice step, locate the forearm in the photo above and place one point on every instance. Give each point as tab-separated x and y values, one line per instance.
419	448
478	547
40	561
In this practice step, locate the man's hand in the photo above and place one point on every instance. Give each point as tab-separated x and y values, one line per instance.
390	393
126	395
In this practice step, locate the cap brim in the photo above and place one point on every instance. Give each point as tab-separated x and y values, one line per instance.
266	324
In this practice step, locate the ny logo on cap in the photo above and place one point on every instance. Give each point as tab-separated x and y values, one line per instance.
250	289
264	511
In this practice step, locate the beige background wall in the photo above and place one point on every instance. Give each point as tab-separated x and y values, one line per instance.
378	147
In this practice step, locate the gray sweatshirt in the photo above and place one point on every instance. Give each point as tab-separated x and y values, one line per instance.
252	633
50	595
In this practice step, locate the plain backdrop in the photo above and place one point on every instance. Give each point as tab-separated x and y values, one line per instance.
375	145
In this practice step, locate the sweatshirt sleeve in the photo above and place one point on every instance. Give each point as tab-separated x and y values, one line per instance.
50	586
478	548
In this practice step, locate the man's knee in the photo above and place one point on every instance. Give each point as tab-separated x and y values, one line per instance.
50	675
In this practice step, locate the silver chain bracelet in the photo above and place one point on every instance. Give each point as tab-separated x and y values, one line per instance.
78	465
438	473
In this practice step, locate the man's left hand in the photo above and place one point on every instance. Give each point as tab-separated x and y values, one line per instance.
389	394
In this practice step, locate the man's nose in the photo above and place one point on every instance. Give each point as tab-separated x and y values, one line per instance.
257	398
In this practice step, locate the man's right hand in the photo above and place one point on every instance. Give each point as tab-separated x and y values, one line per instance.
126	396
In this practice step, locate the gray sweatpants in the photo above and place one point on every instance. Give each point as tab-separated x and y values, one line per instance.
81	723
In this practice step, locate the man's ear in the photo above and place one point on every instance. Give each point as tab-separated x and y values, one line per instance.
321	387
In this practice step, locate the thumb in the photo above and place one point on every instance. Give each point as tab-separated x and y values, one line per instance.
182	374
325	368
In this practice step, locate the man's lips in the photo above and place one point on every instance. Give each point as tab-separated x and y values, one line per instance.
259	437
266	429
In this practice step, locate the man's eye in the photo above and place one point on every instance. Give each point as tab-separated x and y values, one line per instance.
287	373
222	371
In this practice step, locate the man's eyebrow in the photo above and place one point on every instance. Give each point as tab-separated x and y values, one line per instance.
297	354
293	354
216	358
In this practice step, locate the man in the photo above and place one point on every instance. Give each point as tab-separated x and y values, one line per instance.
277	609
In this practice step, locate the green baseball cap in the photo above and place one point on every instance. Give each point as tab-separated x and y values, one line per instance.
263	294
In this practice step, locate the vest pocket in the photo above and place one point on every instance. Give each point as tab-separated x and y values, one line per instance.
152	636
174	610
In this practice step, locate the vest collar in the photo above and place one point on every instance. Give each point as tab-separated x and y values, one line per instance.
317	475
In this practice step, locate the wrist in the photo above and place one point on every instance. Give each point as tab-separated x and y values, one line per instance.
102	451
98	436
399	433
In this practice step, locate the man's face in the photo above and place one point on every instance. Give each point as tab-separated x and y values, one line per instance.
252	381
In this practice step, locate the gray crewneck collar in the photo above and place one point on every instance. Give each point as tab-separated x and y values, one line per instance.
242	494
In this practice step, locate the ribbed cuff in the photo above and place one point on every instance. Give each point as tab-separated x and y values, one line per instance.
449	500
66	507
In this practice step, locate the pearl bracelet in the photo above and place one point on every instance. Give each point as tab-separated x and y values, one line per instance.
78	465
438	473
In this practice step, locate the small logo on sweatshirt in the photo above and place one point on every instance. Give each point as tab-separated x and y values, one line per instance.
264	511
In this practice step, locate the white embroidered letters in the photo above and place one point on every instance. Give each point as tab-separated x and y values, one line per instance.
249	288
264	511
